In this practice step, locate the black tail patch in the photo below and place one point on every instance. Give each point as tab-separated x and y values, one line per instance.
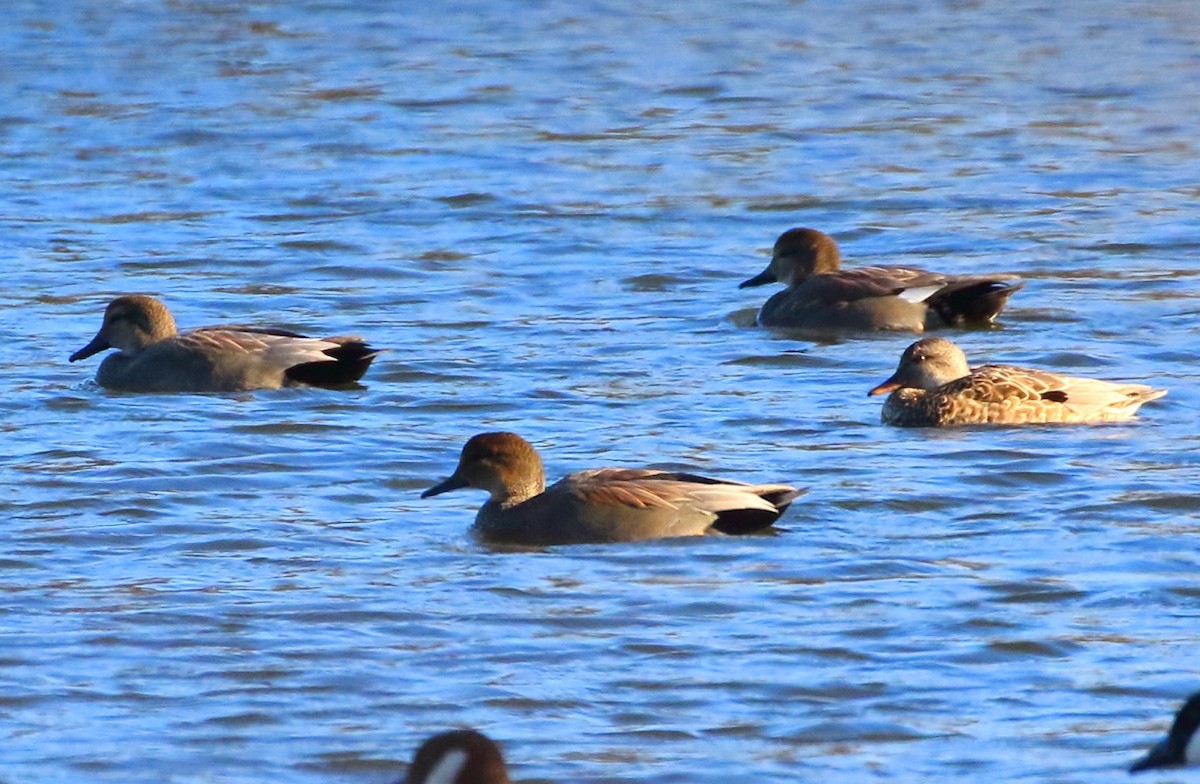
738	522
973	301
352	356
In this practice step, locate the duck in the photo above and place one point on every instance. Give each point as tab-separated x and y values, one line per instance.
820	295
1181	746
457	757
601	505
153	356
933	386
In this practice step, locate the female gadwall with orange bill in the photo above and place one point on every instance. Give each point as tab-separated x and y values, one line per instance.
458	757
604	504
934	386
153	357
822	295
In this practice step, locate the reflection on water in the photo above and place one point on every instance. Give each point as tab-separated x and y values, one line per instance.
543	213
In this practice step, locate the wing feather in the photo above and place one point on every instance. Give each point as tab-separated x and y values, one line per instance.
651	489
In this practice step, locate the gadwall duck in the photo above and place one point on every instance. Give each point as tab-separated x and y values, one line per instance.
822	295
458	757
601	505
1181	746
934	386
154	357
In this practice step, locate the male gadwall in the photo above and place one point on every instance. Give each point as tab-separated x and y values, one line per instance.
458	757
153	357
934	386
1182	744
604	504
822	295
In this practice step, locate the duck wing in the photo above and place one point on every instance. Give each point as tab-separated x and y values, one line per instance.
683	503
850	285
1084	398
296	358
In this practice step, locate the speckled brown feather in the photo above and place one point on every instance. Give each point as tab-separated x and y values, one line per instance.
1008	395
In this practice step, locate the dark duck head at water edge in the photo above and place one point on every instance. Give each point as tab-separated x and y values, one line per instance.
1181	747
457	757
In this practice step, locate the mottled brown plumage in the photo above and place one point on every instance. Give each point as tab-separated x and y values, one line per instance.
154	357
820	295
934	386
601	505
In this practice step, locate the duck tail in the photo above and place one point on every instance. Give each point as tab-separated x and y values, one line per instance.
1146	395
973	300
351	358
738	522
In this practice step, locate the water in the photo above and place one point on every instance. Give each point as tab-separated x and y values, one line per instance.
543	211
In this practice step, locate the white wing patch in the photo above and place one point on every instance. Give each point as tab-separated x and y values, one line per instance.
1191	752
921	293
448	768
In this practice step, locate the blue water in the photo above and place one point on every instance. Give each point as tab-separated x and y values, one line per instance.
543	211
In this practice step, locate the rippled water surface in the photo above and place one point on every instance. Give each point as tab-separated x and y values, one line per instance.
543	211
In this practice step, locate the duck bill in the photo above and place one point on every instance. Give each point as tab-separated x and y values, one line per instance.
762	278
1158	757
98	344
891	385
453	483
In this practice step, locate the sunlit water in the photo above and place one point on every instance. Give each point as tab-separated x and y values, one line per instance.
543	211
